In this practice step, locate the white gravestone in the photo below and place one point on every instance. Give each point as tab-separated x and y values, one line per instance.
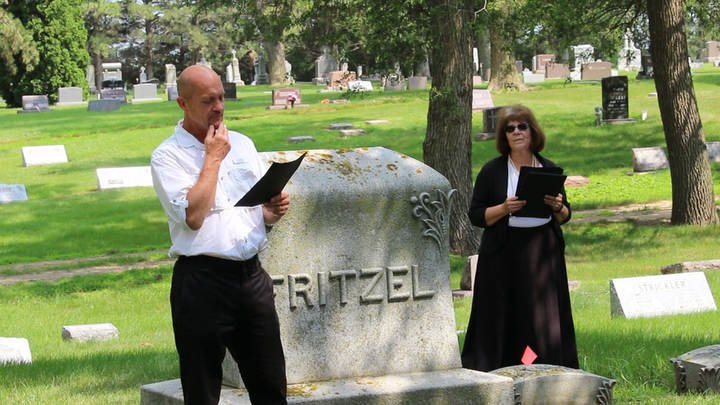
43	155
649	159
15	350
84	333
70	96
121	177
145	92
530	77
667	294
360	85
12	193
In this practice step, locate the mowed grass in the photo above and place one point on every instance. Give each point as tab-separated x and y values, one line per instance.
67	217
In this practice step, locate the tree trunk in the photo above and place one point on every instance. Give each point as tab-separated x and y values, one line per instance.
504	74
692	186
276	62
447	146
149	32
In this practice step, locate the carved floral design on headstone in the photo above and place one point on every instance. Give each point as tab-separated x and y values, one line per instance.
435	214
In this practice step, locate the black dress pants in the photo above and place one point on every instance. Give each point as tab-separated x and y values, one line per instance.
218	304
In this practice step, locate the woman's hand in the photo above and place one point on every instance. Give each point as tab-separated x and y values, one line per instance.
512	205
555	202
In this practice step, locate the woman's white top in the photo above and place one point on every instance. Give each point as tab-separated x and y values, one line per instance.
521	222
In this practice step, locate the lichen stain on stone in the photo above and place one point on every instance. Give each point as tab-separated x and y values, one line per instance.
301	390
418	171
403	156
344	167
281	153
365	148
392	166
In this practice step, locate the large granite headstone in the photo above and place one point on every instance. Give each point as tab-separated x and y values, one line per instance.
339	79
417	83
648	296
280	98
647	71
43	155
121	177
596	70
324	64
544	384
172	93
698	370
34	104
482	99
70	96
557	71
15	351
649	159
145	92
170	76
12	193
358	265
540	62
615	97
114	94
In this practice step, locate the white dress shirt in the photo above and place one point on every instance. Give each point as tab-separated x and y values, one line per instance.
229	232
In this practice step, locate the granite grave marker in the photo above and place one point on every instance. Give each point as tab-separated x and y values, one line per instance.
12	193
121	177
43	155
615	97
648	296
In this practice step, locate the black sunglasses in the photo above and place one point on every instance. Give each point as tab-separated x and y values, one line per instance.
521	126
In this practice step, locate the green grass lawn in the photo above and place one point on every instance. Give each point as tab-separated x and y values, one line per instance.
67	217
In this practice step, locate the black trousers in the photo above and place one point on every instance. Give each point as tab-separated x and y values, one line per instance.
218	304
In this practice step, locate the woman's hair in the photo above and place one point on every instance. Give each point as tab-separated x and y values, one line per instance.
517	113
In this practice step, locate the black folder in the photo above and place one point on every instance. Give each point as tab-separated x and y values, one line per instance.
271	184
534	183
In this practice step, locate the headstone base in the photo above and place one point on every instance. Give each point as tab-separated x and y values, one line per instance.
319	81
66	103
285	107
104	105
457	387
140	100
620	121
35	111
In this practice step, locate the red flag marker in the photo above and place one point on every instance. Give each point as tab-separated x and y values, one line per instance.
528	357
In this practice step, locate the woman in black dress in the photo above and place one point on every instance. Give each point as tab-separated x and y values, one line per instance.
521	295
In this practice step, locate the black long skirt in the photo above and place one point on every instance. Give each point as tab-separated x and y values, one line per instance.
521	299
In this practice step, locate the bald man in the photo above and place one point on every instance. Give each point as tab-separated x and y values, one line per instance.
221	297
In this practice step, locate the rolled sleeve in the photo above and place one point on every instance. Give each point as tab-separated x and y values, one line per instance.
172	184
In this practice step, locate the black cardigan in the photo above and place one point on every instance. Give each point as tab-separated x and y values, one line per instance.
491	190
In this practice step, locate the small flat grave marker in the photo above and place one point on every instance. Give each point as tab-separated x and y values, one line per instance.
104	105
43	155
15	350
352	132
649	296
596	70
687	267
12	193
697	370
33	104
481	100
649	159
84	333
341	125
377	122
121	177
302	138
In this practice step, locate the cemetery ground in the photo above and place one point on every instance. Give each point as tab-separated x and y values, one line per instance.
66	217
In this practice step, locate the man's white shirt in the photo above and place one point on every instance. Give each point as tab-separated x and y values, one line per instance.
236	233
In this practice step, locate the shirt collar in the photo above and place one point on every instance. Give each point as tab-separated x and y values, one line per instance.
186	139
